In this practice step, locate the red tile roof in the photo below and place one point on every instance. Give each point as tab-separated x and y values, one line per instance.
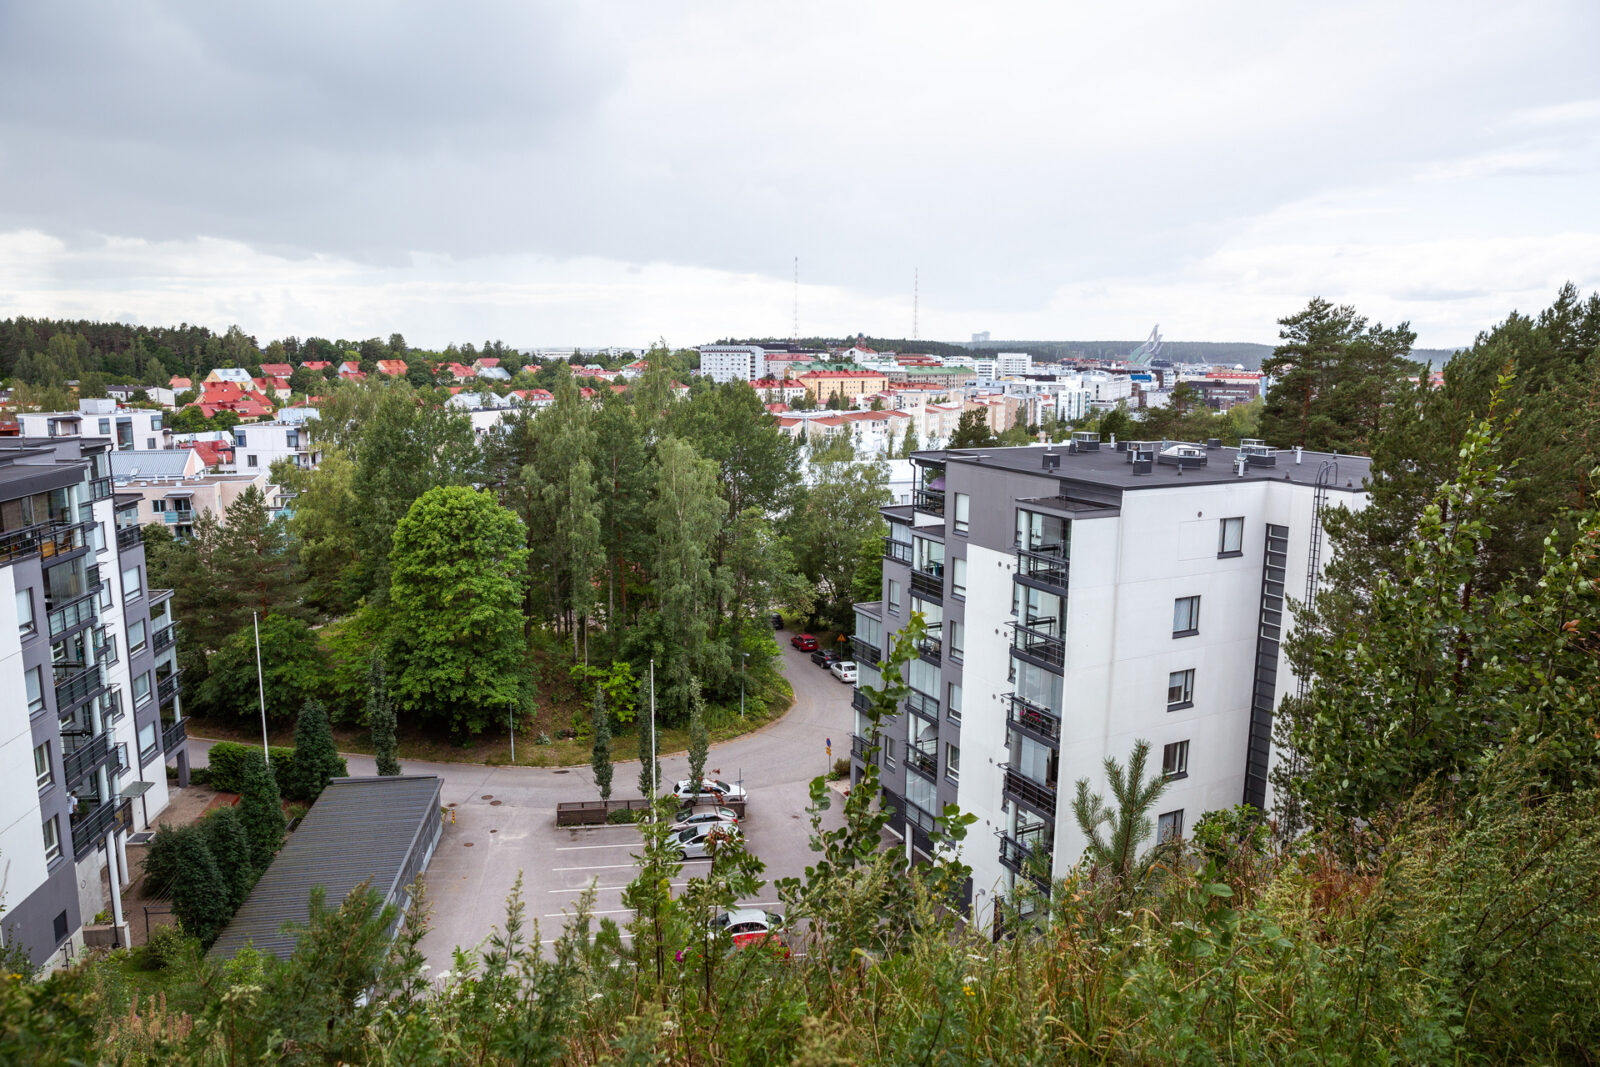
276	370
394	368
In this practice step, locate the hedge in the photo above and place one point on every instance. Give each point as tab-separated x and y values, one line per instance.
228	758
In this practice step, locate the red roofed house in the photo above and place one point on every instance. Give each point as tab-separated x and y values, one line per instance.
179	385
317	365
459	372
228	396
351	371
276	370
214	454
823	385
536	398
777	391
485	361
393	368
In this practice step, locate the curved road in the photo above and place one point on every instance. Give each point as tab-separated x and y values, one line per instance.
505	817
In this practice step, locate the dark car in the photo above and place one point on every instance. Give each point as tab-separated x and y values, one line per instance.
825	658
777	621
804	642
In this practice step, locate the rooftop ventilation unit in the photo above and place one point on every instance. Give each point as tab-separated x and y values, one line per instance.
1052	461
1183	455
1258	454
1085	441
1213	443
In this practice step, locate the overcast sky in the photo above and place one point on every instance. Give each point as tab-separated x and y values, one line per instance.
609	173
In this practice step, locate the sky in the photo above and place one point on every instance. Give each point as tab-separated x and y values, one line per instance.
614	173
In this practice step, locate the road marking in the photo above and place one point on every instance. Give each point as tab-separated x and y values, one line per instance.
600	867
568	915
576	848
553	940
607	888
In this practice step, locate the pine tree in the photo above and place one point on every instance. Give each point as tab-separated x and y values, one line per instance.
201	897
380	714
699	744
230	848
1129	821
972	431
316	759
600	757
261	811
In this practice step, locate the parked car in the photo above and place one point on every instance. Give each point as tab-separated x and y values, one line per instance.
711	791
825	658
692	841
844	670
777	621
804	642
749	926
712	815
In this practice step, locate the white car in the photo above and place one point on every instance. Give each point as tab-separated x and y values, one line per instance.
844	670
711	816
692	840
711	791
748	925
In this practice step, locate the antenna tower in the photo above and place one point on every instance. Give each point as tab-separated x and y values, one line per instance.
916	287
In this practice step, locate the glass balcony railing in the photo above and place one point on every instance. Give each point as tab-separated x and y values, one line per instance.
923	705
1036	796
1035	720
865	652
928	583
76	684
1046	564
85	757
1039	644
1028	855
859	747
899	551
167	687
129	537
91	828
931	649
929	501
80	609
924	760
173	734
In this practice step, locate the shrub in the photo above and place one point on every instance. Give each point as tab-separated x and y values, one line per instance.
841	769
160	863
229	760
626	815
167	945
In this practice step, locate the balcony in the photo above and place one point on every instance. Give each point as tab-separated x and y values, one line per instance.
865	652
898	551
1039	723
931	649
174	734
100	489
76	684
79	762
163	638
928	583
859	748
74	612
31	540
924	706
1027	855
1036	796
860	701
1047	565
924	761
184	517
167	688
1039	645
929	501
92	827
129	537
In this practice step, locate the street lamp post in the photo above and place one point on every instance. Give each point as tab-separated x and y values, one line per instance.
744	668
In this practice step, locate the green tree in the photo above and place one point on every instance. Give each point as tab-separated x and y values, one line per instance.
972	431
261	810
600	754
456	628
566	506
380	715
835	528
1117	856
316	759
699	742
200	894
229	846
649	767
292	670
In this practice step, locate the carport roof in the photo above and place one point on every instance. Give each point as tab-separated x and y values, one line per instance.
359	830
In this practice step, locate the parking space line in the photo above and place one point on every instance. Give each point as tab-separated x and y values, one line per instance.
600	867
606	888
576	848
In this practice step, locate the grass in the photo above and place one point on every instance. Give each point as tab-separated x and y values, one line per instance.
494	750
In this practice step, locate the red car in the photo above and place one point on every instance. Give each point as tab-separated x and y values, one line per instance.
804	642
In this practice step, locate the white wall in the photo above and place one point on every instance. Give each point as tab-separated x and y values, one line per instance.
22	863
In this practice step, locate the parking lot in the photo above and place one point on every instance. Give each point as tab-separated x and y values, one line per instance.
503	820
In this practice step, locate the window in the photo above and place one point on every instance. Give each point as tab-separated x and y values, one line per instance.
952	762
958	576
35	685
136	638
1186	616
953	702
1231	539
105	427
962	511
250	460
155	424
147	740
888	752
158	506
130	584
1180	690
41	765
25	621
150	443
958	639
891	597
1169	827
141	688
52	839
1175	760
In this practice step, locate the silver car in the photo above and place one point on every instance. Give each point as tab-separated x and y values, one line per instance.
692	841
711	791
714	815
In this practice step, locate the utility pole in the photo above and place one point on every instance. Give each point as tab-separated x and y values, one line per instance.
261	689
655	787
744	667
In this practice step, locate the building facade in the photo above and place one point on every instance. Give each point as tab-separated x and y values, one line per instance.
128	429
90	704
726	363
1078	599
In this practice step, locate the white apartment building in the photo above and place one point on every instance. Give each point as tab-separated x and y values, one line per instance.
725	363
90	707
1078	599
258	445
1106	391
128	429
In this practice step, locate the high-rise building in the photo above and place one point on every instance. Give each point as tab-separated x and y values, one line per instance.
1077	599
726	363
90	707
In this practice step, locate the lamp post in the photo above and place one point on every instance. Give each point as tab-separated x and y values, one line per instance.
744	668
261	689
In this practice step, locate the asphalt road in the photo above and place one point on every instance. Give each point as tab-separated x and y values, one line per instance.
505	819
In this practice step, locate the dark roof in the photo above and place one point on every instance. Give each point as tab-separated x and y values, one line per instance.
359	830
1111	468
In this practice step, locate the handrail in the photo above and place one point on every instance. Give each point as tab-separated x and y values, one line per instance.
1038	643
85	758
74	611
929	500
78	687
1037	795
1045	567
174	734
1033	718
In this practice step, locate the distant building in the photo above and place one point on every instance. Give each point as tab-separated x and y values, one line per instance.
823	385
236	375
981	338
128	429
725	363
